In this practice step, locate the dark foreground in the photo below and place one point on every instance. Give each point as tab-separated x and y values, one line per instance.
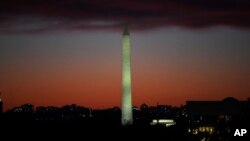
83	130
101	130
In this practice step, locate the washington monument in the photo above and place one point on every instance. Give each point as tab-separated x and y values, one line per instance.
127	115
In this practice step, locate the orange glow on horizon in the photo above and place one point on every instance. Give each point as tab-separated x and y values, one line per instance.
100	87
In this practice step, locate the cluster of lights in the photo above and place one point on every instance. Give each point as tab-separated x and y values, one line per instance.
202	129
166	122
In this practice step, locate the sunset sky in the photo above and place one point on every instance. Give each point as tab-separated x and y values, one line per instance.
58	52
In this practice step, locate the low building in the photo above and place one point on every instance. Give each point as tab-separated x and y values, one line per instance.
217	117
1	106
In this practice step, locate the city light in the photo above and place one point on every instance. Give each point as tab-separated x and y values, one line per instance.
166	122
202	129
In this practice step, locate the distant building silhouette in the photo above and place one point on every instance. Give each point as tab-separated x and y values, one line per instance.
1	106
217	117
217	110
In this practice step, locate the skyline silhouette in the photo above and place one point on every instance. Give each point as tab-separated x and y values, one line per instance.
134	107
194	121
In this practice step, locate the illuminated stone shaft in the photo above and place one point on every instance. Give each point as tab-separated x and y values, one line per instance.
127	114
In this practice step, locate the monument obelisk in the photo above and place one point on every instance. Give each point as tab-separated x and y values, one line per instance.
127	114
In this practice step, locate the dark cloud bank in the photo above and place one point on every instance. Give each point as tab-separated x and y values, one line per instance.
46	15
